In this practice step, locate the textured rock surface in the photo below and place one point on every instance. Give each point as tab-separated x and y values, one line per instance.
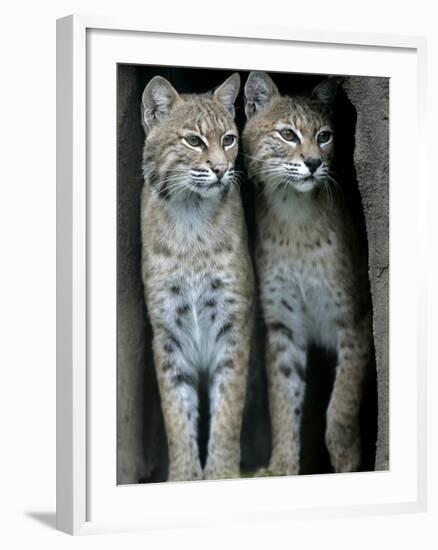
142	450
136	386
370	96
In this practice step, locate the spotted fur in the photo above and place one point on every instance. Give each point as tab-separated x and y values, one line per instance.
196	270
313	280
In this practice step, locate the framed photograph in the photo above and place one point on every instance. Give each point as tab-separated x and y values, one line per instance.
239	331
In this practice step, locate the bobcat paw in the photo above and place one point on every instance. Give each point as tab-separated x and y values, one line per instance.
221	471
281	465
343	444
188	472
267	472
263	472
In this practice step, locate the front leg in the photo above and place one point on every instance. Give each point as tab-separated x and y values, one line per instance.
343	433
179	400
227	387
285	363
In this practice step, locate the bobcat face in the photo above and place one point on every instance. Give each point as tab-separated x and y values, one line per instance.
208	155
303	154
191	140
288	141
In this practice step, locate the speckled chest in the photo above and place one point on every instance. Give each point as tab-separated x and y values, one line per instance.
198	308
302	273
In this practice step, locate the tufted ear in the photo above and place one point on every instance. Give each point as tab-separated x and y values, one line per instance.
325	92
227	92
259	92
158	98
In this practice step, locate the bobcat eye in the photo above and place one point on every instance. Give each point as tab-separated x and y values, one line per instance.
289	135
194	141
228	140
324	137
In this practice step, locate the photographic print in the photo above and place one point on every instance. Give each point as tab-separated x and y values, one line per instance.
245	341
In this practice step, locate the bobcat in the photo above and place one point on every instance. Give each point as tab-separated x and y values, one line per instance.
197	272
313	280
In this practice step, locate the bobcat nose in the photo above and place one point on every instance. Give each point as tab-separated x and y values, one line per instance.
312	164
219	169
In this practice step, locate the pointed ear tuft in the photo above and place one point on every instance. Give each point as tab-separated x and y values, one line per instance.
325	92
158	98
259	92
227	92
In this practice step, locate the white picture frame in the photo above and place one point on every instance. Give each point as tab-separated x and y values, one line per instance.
87	500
